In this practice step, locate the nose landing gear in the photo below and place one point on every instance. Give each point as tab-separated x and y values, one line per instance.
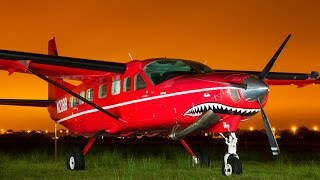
231	162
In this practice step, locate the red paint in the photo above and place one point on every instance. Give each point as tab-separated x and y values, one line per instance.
156	107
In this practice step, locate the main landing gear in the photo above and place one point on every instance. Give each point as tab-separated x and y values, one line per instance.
199	158
75	157
231	162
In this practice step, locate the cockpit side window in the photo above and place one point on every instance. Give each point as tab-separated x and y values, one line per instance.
139	83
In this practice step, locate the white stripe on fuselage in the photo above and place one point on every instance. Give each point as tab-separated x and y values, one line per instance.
145	99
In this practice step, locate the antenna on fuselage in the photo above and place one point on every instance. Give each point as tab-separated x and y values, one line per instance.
130	57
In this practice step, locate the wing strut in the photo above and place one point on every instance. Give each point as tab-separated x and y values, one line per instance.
72	93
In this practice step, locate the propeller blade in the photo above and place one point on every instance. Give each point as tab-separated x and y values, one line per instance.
272	140
268	67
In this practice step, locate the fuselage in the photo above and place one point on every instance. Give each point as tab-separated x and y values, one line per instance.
157	94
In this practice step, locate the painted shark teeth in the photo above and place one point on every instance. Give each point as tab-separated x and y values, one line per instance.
219	108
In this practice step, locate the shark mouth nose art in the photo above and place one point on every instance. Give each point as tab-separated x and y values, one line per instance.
219	108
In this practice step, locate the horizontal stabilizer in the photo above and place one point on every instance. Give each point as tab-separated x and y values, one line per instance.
26	102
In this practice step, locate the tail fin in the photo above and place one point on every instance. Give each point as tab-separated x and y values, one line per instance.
53	91
52	48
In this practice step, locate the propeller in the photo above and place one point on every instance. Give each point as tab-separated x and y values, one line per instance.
272	140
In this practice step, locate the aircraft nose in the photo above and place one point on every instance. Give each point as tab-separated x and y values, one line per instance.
256	89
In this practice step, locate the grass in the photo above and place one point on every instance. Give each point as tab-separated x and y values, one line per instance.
165	162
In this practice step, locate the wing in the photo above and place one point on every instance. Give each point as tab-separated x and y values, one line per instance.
57	66
284	78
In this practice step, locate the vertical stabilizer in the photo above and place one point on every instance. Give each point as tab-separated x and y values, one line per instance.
53	91
52	48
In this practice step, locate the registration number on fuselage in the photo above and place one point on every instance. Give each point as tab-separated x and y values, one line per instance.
62	105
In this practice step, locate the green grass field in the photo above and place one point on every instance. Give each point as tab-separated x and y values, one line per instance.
168	162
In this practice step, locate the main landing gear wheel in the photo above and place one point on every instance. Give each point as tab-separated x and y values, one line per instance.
203	159
233	166
75	159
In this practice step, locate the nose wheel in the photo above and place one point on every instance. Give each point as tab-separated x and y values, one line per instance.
231	162
233	165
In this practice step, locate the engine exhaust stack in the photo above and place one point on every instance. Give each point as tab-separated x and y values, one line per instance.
205	121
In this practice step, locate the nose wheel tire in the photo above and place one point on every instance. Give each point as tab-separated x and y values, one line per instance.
75	159
233	166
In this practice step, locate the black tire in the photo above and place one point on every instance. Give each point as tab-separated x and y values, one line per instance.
75	159
235	165
203	158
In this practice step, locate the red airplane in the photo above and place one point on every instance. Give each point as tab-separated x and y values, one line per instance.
161	95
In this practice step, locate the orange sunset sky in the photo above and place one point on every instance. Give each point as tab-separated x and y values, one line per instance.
240	35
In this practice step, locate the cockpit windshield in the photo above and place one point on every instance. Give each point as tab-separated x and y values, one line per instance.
165	69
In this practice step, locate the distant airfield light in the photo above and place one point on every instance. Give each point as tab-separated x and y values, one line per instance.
294	129
61	131
46	131
67	131
2	130
206	134
29	131
251	128
315	128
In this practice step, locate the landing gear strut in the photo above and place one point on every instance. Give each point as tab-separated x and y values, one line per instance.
199	158
231	162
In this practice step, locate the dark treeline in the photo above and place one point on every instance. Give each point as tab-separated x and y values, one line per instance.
286	134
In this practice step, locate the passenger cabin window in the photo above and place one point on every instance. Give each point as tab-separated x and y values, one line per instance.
73	102
90	94
126	84
162	70
115	85
139	82
82	94
102	91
